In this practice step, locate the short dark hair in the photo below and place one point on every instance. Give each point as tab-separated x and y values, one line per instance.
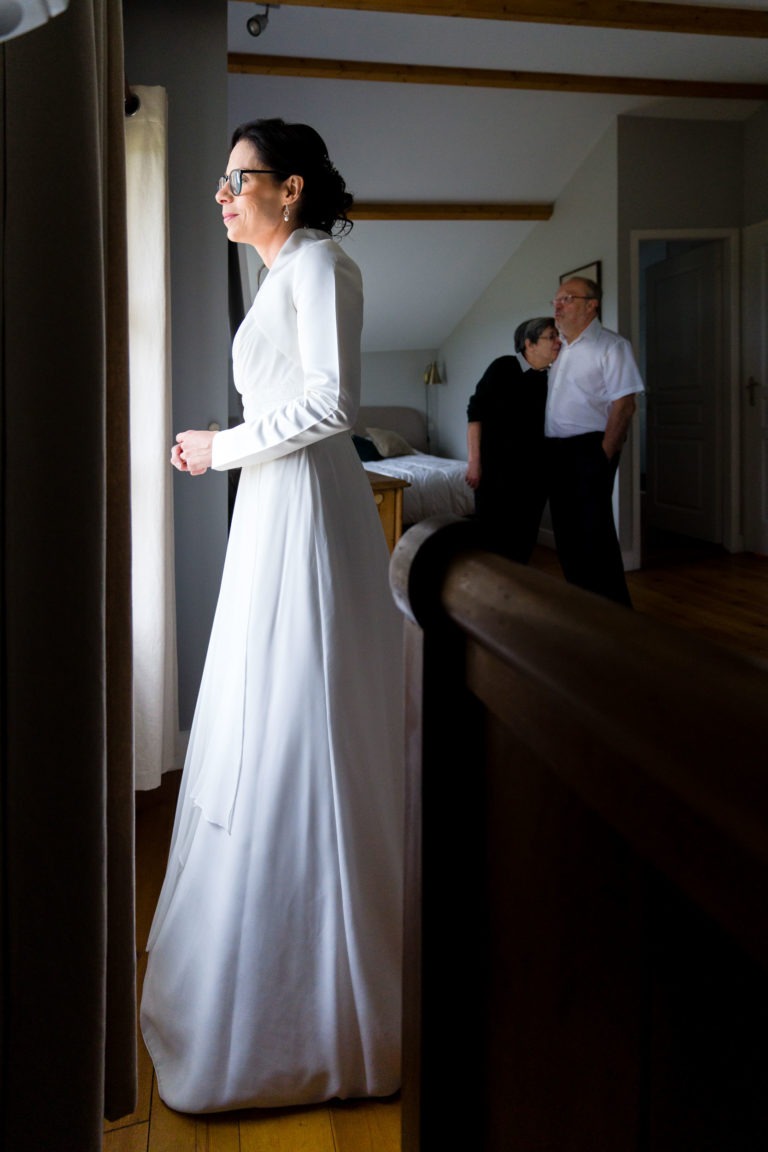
532	330
591	287
297	149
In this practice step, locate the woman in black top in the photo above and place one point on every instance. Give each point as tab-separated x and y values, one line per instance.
505	441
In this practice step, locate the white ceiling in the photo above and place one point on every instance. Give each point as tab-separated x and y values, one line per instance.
405	142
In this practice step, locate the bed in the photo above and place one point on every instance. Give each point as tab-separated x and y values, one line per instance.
392	441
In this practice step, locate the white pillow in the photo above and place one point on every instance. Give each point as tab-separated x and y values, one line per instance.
389	443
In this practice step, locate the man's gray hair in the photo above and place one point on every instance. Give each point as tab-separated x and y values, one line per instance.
591	288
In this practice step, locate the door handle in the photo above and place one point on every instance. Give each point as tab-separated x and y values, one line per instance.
751	385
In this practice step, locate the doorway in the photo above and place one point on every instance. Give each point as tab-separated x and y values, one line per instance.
687	457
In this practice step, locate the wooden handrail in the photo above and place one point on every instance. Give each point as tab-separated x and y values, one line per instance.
654	728
529	700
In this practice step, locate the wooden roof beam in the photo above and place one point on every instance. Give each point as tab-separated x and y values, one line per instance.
438	210
637	15
311	68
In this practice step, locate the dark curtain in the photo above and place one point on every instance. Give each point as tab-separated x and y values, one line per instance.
68	953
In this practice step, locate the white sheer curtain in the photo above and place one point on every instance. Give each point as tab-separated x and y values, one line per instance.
156	727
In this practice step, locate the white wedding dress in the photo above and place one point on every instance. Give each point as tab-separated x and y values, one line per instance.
275	953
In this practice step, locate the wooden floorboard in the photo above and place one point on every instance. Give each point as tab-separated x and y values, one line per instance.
724	600
699	588
721	597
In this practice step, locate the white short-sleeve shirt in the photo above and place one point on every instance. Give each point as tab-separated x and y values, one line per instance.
589	373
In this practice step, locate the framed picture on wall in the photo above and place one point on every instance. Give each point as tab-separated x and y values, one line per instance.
589	272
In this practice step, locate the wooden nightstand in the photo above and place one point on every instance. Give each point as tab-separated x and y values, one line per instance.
388	494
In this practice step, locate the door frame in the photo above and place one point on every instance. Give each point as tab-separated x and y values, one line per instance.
754	362
733	536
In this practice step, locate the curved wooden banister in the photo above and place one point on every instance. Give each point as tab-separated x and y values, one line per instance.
529	698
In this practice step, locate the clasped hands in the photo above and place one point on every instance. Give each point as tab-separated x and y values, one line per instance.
192	452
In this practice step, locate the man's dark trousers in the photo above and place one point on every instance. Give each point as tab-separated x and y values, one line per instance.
581	505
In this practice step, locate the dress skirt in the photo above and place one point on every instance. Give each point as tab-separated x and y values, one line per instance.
275	954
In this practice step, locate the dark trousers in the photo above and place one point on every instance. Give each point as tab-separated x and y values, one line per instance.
509	508
580	501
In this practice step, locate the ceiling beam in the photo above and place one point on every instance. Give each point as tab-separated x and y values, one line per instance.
436	210
638	15
312	68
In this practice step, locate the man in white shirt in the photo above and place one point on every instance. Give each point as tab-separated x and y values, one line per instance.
591	401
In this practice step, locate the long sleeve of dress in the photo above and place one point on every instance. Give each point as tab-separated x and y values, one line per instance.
312	312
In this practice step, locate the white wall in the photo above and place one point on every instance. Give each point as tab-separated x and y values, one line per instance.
675	174
398	378
183	48
582	229
756	167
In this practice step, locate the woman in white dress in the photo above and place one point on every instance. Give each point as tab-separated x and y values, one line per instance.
275	952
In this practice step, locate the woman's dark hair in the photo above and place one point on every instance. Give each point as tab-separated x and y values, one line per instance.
532	330
296	149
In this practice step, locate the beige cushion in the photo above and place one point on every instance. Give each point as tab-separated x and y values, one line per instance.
389	443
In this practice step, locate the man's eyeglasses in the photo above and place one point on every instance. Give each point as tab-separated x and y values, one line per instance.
235	178
568	299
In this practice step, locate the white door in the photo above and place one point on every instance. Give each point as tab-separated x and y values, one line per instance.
685	370
755	387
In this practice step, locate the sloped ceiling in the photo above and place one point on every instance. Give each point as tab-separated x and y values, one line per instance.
477	115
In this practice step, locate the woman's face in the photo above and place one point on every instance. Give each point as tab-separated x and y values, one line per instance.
545	350
256	215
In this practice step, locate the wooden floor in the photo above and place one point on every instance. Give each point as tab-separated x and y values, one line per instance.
699	588
721	597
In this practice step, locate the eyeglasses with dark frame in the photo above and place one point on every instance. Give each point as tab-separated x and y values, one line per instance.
568	299
235	178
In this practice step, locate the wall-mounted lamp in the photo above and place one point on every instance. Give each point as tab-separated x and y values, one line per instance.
257	24
431	376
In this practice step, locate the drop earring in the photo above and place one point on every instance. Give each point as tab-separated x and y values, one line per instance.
286	214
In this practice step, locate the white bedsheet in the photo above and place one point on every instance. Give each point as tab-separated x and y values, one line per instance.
437	484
